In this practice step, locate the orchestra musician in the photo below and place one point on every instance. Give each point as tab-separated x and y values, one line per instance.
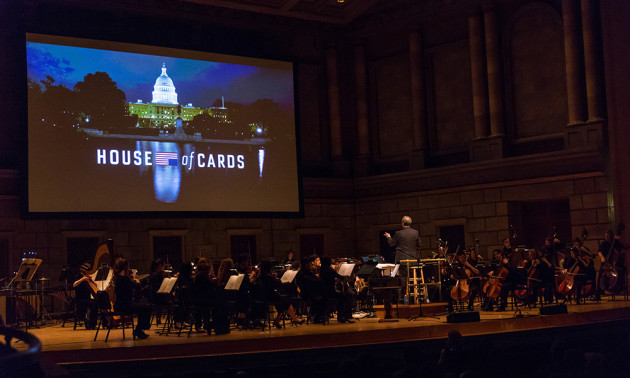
331	279
611	245
509	281
546	274
407	242
553	250
155	279
311	288
203	295
290	259
87	307
456	272
470	263
273	291
585	260
247	315
221	314
124	284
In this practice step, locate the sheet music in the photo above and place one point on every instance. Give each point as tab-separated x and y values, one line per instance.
346	269
385	266
167	285
234	283
288	276
395	271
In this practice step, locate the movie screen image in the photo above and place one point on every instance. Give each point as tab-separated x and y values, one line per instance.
116	127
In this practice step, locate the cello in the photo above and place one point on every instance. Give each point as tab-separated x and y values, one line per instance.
566	286
609	280
461	290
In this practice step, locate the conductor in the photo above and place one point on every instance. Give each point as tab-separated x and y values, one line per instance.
407	242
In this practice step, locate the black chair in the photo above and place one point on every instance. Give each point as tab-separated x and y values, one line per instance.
107	314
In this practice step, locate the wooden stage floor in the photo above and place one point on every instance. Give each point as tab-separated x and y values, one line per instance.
66	346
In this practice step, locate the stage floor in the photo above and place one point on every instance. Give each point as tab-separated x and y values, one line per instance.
63	345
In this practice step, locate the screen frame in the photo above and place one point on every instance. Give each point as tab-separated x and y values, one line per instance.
25	177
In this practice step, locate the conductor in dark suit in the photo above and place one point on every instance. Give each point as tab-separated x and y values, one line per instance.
407	242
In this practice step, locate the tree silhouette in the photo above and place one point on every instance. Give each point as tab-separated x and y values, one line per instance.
100	99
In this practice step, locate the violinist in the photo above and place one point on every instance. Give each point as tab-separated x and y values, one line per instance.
155	281
124	284
204	295
84	300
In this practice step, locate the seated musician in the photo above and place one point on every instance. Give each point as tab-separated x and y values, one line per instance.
587	267
155	281
449	279
203	295
331	281
546	275
85	302
221	314
474	282
458	276
611	253
311	289
273	291
184	280
248	315
290	259
124	285
510	280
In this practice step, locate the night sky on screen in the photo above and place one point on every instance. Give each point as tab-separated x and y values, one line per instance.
196	81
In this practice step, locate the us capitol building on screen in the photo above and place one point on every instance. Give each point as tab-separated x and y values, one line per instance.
164	109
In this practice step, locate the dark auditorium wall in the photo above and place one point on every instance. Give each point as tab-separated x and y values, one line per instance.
459	113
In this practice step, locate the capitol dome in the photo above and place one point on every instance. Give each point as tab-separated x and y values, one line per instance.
164	90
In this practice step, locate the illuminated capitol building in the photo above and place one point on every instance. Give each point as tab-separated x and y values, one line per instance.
164	109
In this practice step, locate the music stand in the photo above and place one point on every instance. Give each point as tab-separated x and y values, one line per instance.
420	313
25	274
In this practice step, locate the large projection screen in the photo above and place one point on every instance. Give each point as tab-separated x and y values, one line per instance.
120	128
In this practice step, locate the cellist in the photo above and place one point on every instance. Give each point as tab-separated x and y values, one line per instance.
474	282
510	278
456	274
614	246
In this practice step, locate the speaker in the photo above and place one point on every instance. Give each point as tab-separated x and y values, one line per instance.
553	309
463	317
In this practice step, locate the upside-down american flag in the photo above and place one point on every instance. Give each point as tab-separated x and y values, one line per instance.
166	158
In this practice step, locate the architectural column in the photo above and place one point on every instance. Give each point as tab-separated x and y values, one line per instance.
363	128
572	61
334	110
478	74
417	102
493	146
591	62
494	73
479	145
